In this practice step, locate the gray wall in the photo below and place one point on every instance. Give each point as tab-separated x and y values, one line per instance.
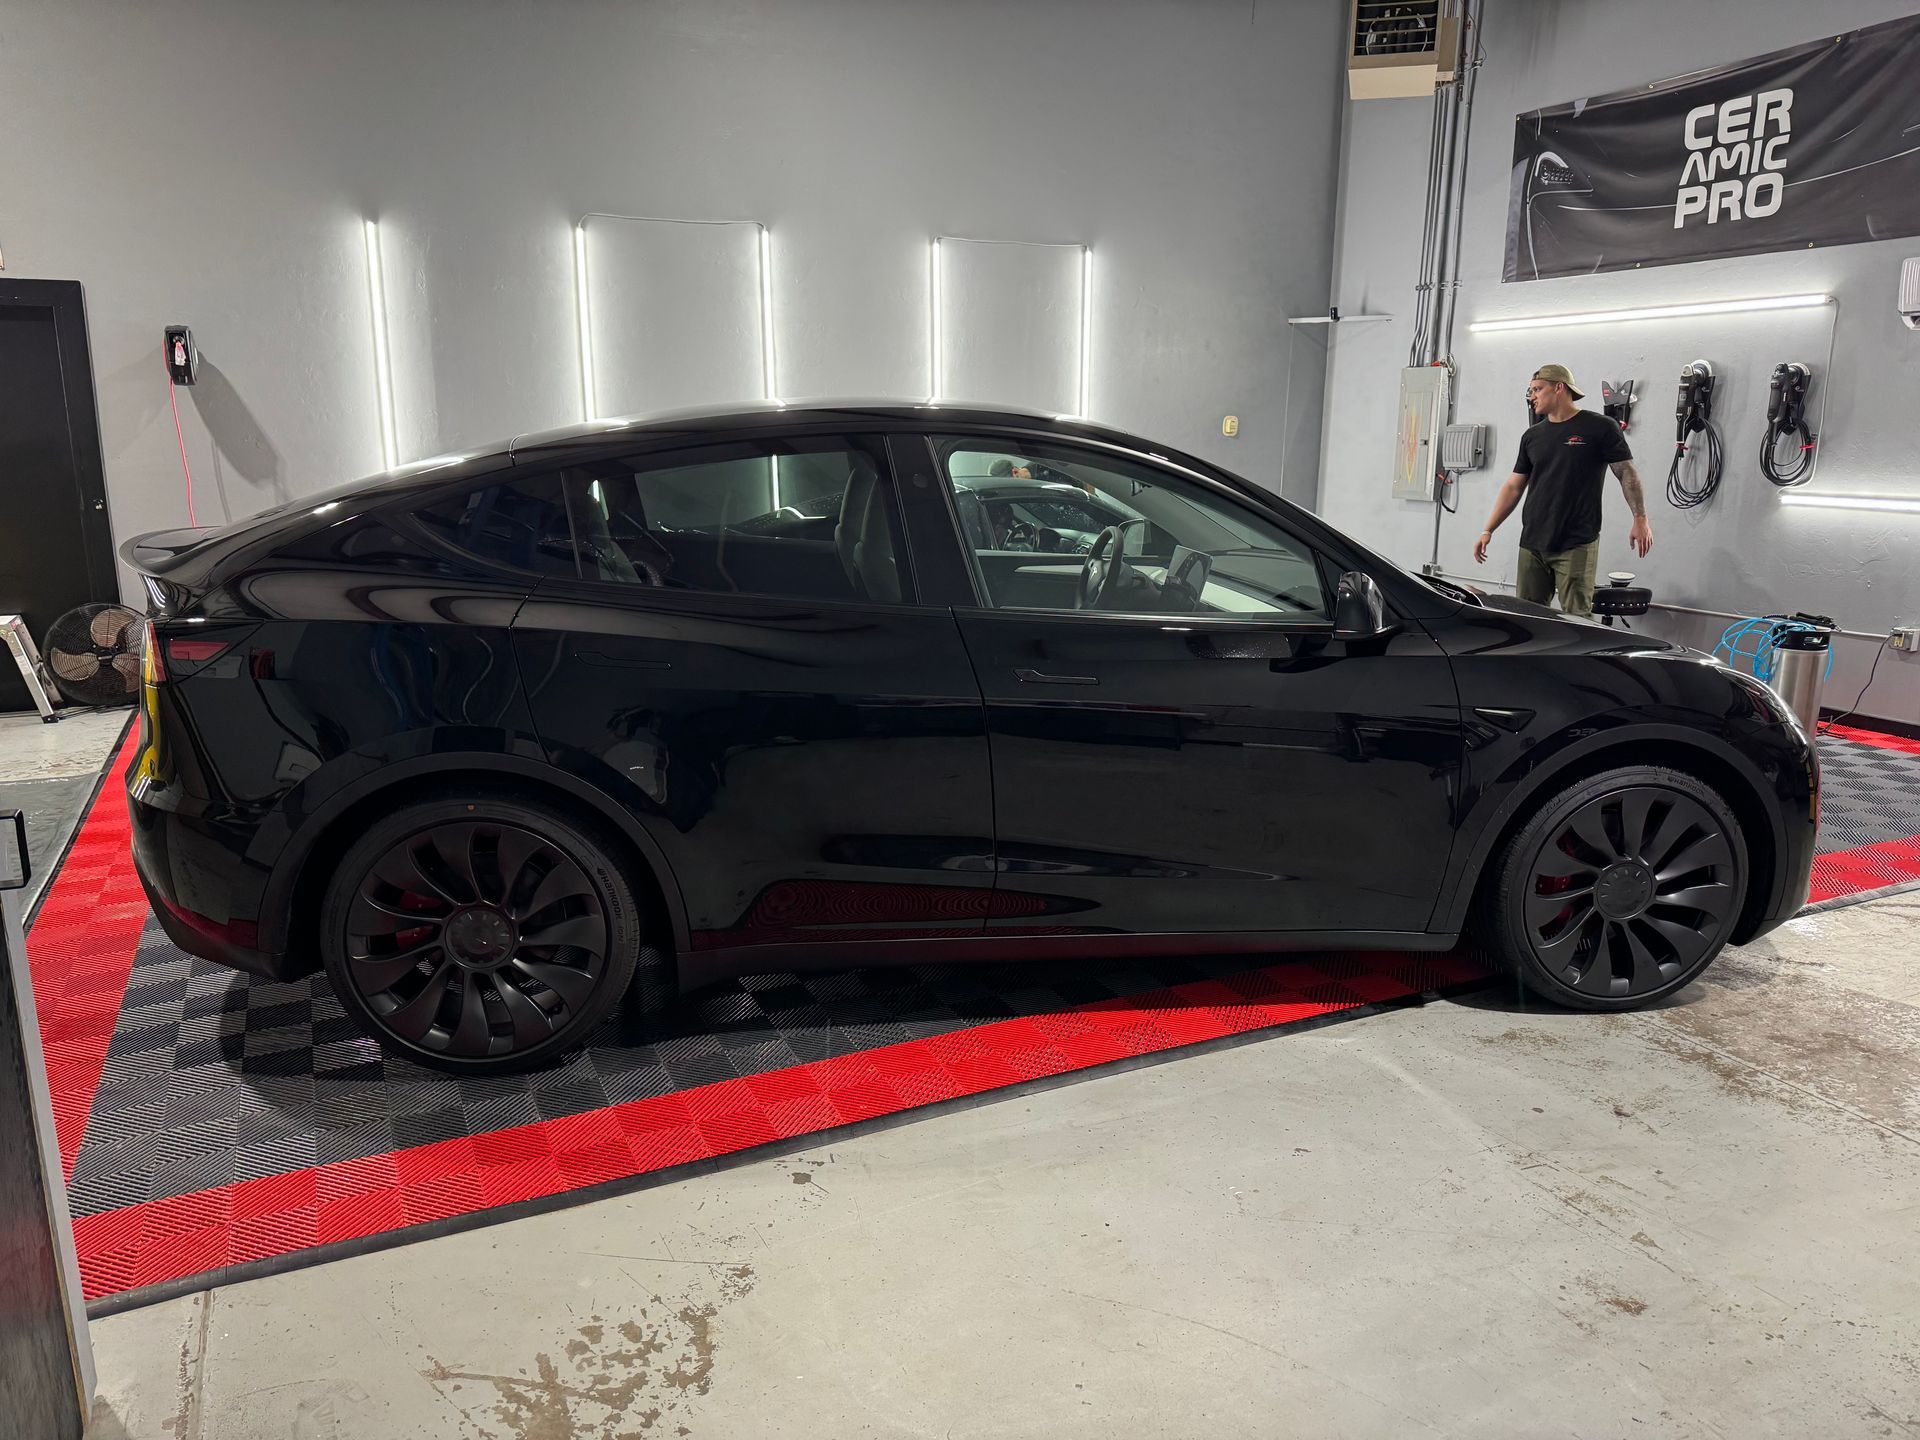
1744	552
1191	144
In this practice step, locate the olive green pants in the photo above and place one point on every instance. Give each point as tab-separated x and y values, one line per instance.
1568	572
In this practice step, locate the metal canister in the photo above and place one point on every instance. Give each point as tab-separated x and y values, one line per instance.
1799	667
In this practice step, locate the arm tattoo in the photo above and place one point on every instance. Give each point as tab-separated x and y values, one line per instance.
1630	487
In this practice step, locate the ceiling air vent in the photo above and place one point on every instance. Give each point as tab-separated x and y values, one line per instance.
1401	48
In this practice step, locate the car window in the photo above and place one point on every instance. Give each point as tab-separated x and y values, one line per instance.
1058	528
801	520
520	523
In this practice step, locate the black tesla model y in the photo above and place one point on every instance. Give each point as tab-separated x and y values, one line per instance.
610	713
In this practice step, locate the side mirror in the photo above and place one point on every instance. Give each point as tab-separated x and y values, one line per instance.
1359	609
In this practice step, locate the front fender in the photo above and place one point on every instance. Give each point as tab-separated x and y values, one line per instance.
1511	774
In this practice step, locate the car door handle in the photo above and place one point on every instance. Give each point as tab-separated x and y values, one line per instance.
625	662
1040	677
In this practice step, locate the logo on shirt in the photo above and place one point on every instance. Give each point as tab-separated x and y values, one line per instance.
1576	440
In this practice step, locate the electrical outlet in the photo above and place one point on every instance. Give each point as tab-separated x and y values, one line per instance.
1905	637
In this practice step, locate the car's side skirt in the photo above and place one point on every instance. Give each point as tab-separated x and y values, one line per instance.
697	968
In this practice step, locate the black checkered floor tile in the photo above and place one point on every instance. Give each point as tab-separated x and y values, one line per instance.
1867	794
214	1076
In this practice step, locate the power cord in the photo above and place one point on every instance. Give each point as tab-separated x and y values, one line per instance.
180	435
1693	415
1872	670
1787	417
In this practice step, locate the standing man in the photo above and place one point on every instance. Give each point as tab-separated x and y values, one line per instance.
1562	458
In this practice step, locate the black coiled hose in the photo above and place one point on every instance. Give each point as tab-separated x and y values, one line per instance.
1802	467
1684	494
1693	415
1787	419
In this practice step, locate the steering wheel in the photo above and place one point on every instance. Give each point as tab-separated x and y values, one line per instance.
1101	571
1021	535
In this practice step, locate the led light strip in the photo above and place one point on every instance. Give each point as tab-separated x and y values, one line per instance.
1086	328
934	339
583	322
768	371
382	354
1851	502
1654	312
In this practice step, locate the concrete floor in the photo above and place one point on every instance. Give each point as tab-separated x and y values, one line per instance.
1467	1219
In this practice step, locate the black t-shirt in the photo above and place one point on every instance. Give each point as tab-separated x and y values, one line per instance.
1568	462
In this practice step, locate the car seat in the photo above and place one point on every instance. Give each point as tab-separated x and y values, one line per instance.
864	539
973	519
636	557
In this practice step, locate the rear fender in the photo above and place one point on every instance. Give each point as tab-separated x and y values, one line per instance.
282	889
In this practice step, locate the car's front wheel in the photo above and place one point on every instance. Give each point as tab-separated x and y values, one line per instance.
480	935
1619	890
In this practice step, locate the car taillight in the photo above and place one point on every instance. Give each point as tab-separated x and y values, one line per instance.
194	652
166	655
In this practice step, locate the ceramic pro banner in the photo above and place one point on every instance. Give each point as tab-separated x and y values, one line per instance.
1817	145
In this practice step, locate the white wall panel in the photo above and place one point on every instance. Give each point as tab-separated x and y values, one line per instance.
1011	323
674	312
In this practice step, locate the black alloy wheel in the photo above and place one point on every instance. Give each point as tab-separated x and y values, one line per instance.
479	936
1620	890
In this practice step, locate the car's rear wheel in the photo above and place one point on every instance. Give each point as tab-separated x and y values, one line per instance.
1619	890
482	935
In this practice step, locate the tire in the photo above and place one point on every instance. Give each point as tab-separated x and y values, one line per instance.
1618	891
525	934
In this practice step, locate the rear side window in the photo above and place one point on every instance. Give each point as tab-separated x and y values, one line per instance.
521	523
793	519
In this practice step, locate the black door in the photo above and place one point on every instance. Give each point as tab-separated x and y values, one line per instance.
56	546
1179	743
741	656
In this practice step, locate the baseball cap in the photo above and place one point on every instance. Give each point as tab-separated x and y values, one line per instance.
1564	376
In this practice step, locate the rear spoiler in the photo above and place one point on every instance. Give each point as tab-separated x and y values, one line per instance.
159	551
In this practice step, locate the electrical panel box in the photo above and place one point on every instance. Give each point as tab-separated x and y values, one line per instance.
1463	447
1423	414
